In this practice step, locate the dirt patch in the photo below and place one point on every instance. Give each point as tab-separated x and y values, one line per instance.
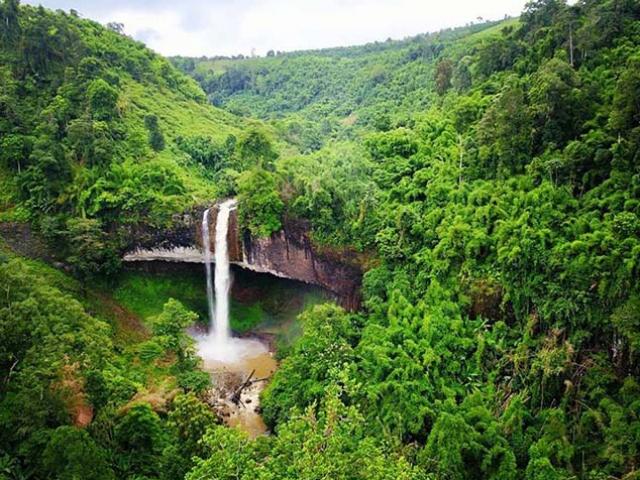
83	416
70	387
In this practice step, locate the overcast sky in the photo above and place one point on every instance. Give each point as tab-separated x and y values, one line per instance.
228	27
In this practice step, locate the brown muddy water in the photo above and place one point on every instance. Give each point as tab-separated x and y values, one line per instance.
230	375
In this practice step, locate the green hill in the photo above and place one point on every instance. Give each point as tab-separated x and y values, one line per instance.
98	132
329	92
89	125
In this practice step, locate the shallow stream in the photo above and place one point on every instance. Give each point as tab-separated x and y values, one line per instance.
229	376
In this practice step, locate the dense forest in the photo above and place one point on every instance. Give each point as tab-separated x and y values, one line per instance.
487	176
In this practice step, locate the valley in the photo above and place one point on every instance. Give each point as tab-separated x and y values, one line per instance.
408	259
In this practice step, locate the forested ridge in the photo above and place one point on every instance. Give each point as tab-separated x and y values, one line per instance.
489	176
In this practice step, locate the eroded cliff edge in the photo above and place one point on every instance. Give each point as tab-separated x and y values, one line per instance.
288	253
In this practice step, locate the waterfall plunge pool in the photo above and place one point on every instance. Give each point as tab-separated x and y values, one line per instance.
248	356
262	307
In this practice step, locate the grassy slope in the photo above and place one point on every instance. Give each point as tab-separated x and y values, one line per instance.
128	328
153	382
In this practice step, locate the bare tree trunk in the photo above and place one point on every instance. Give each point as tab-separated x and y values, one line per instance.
235	398
571	43
461	147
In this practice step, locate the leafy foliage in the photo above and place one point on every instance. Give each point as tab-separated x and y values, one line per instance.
331	444
88	129
495	176
326	340
258	194
59	369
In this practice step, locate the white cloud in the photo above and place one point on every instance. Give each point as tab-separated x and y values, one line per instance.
226	27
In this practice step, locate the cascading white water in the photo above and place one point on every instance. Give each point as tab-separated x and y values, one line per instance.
206	247
218	345
223	274
220	351
218	309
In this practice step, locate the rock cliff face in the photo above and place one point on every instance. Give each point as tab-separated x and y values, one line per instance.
177	243
288	253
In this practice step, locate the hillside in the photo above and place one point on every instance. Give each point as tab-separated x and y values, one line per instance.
334	92
95	127
337	81
98	134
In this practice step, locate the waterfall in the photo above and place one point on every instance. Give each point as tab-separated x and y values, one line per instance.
218	345
223	272
219	351
206	246
218	319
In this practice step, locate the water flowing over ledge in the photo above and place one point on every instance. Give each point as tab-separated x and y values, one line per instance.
173	254
218	345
